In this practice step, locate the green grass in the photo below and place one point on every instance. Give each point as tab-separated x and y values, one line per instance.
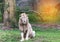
42	35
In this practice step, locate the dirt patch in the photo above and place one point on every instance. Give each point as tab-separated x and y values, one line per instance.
57	26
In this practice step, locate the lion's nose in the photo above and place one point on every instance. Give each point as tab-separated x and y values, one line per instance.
24	21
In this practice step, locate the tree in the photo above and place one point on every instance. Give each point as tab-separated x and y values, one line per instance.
9	9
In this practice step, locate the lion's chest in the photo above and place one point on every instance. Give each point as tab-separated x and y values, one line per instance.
25	28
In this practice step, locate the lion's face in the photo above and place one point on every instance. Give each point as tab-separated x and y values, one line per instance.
24	18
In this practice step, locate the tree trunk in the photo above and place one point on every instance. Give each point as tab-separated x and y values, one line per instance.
9	9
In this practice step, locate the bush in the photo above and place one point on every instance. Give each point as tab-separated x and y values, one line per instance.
0	16
1	10
33	18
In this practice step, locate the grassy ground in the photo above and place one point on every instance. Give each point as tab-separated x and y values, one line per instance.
42	35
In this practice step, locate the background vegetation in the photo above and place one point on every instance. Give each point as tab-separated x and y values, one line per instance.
1	10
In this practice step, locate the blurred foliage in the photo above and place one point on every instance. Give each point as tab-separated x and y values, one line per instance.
33	18
1	1
1	10
17	13
0	16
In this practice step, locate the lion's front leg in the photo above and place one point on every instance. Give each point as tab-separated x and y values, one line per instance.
22	36
27	35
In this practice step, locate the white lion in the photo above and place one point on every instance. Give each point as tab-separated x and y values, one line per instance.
25	27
